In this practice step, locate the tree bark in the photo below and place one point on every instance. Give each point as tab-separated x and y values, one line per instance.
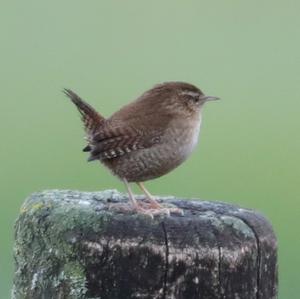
69	244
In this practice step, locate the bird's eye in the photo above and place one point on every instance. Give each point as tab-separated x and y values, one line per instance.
191	96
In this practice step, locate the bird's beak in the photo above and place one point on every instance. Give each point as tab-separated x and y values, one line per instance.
209	98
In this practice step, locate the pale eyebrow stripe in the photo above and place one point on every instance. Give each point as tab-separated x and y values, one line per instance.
190	93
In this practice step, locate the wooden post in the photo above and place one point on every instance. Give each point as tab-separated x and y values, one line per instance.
68	244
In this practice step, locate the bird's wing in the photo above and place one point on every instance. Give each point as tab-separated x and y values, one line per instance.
129	129
133	127
111	142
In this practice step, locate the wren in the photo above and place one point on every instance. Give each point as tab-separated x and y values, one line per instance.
147	138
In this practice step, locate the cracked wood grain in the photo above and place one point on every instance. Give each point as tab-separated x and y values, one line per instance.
166	261
70	245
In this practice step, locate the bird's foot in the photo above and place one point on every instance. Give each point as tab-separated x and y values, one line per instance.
147	209
153	212
158	208
172	209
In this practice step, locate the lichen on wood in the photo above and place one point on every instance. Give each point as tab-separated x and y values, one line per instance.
69	244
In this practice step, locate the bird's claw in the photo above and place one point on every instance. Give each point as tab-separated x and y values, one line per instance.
158	209
146	209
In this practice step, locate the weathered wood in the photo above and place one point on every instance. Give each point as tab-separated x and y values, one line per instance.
69	245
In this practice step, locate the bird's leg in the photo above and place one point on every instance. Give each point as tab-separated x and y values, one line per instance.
134	203
153	203
125	207
152	209
140	209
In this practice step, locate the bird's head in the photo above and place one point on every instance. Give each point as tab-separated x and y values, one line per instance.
180	97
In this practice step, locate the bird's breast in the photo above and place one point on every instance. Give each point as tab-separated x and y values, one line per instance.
182	138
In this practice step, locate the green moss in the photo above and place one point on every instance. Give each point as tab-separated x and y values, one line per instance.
50	250
71	274
239	225
47	231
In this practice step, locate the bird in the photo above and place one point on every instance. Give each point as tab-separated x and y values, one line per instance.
147	138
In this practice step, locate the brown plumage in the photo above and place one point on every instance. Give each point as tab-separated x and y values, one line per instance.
148	137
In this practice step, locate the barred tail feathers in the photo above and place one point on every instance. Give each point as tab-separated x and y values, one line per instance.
90	117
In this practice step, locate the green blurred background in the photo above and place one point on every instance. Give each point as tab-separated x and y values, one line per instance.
246	52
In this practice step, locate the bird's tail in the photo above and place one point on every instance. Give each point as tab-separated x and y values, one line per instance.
90	117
